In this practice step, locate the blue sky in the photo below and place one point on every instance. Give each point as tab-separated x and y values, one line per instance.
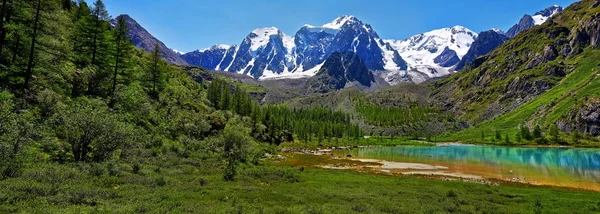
187	25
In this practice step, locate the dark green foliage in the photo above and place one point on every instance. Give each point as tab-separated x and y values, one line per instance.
156	72
554	134
236	148
525	133
451	194
398	115
575	137
498	135
537	133
538	206
16	132
91	129
280	123
122	53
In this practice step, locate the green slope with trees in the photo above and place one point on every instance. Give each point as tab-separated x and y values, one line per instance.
88	123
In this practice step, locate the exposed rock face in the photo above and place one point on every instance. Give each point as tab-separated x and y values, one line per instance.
485	43
529	21
447	58
214	57
584	118
338	70
524	24
589	34
141	38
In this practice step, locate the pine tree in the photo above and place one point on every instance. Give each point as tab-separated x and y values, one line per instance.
575	137
34	35
554	133
498	135
525	133
122	51
537	132
100	19
156	71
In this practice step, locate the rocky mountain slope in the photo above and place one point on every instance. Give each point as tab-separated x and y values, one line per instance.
485	43
269	53
528	21
340	69
142	39
537	78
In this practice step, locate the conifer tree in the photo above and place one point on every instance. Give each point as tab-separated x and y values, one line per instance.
156	71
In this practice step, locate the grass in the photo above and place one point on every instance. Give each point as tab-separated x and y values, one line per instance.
575	83
178	185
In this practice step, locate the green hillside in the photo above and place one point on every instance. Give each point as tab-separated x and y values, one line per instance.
532	80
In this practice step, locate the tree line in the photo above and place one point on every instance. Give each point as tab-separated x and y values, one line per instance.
398	115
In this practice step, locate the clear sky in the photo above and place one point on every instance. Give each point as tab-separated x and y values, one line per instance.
187	25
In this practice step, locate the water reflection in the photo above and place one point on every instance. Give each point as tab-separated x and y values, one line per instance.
571	165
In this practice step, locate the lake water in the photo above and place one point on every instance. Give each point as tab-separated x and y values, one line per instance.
567	167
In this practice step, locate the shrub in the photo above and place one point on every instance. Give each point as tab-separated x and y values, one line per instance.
160	181
91	129
16	131
202	182
236	147
451	194
136	167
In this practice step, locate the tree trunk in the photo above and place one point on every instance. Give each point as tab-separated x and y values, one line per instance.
94	47
3	13
29	72
15	50
114	85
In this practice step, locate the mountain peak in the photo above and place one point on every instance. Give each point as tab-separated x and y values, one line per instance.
142	39
341	21
498	31
267	31
216	47
550	11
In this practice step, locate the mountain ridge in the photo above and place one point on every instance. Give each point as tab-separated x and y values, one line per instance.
141	38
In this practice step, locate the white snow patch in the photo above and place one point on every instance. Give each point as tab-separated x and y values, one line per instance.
296	74
339	22
263	36
178	52
215	47
420	50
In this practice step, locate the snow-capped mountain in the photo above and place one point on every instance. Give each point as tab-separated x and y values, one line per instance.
216	57
269	53
529	21
435	52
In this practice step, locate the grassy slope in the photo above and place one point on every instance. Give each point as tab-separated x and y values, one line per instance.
544	109
509	122
275	189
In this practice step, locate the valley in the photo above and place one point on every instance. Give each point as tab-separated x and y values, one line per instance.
97	115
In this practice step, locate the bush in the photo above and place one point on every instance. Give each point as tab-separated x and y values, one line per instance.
16	131
91	129
236	147
160	182
451	194
136	167
202	182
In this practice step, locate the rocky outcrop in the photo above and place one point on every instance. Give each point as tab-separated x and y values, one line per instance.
338	70
447	58
142	39
588	34
584	118
524	24
485	43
